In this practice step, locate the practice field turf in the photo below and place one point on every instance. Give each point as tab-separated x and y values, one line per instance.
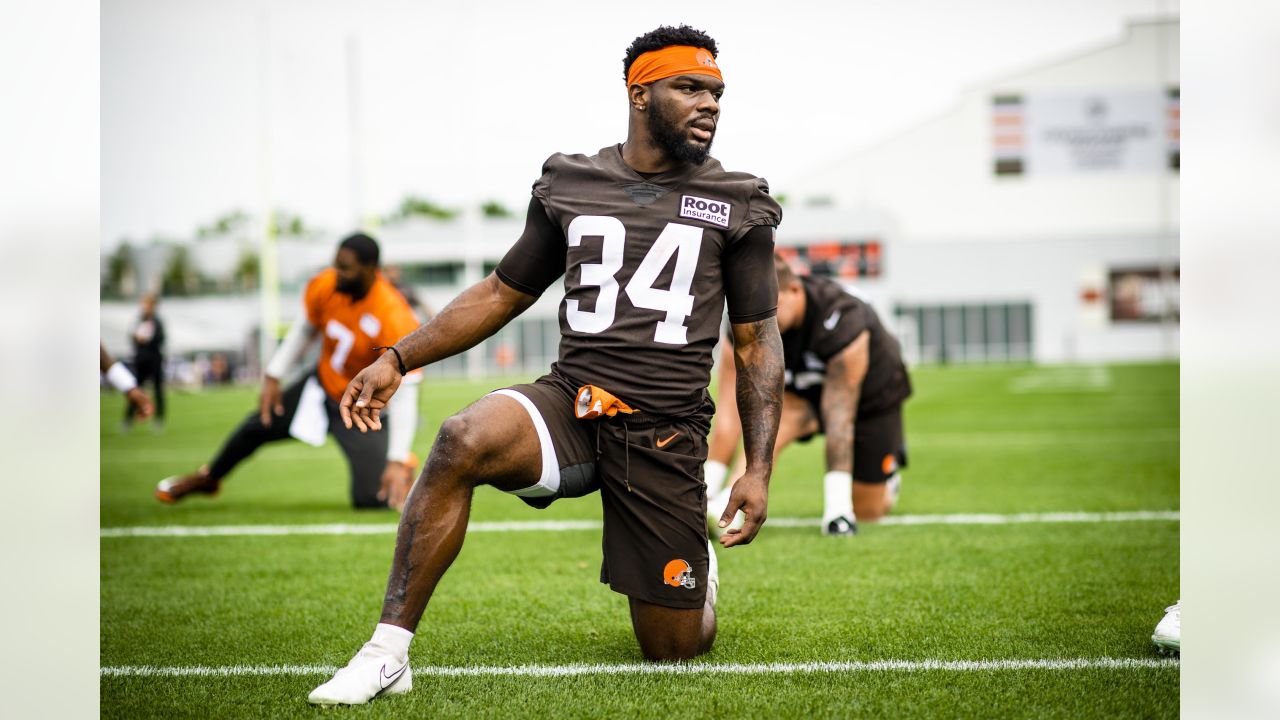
1035	596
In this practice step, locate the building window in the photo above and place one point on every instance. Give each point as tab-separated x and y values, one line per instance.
965	332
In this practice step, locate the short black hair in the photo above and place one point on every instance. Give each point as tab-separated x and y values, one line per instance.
666	36
365	248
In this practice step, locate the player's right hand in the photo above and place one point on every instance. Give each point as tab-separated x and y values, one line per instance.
368	393
750	494
140	402
271	402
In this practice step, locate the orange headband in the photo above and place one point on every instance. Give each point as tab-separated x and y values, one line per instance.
671	61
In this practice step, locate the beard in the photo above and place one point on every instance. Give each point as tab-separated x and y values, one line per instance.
354	288
673	139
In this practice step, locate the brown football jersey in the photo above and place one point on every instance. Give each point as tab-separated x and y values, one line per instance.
833	318
647	263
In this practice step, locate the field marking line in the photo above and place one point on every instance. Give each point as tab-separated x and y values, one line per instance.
854	666
569	525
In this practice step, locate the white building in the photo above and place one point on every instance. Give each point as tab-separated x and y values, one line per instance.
1044	203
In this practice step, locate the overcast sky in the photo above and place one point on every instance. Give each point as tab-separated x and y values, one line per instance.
208	107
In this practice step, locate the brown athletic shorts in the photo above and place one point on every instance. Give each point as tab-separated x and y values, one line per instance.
879	445
648	471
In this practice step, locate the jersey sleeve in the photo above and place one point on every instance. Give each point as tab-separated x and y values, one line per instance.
537	259
762	210
398	321
844	329
751	283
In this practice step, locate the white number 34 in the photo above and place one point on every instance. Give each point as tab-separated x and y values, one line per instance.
684	241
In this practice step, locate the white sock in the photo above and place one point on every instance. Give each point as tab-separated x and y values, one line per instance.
715	473
392	638
837	494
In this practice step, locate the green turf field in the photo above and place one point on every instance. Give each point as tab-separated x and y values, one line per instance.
261	617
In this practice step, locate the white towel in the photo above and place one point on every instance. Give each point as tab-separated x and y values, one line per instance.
310	421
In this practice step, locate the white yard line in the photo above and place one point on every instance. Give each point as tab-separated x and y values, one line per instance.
567	525
855	666
1053	517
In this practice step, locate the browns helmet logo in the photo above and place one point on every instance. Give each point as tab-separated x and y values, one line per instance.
678	573
889	464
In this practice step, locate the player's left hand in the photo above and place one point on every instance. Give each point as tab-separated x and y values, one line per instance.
397	481
750	494
368	393
140	402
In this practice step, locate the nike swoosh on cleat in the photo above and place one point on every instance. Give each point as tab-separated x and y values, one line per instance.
388	680
663	443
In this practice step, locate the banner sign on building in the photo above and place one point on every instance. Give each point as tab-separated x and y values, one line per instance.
1145	294
1085	132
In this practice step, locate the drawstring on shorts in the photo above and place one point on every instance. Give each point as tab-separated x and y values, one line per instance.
626	452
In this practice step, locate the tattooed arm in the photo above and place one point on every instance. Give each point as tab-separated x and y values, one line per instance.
841	390
758	359
479	312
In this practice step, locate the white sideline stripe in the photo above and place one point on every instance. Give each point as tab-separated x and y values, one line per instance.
566	525
1104	663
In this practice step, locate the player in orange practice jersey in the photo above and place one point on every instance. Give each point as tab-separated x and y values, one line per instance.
355	311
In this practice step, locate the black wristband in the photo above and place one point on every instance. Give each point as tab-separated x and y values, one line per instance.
399	360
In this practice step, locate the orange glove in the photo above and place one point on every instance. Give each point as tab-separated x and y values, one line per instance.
594	402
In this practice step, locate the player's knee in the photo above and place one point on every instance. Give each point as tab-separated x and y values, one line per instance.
669	647
871	512
458	446
872	501
871	509
674	641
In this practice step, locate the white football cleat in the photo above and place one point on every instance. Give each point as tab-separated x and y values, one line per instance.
373	672
840	525
713	574
1168	634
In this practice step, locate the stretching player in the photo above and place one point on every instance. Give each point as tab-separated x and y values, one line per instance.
652	236
355	310
846	379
